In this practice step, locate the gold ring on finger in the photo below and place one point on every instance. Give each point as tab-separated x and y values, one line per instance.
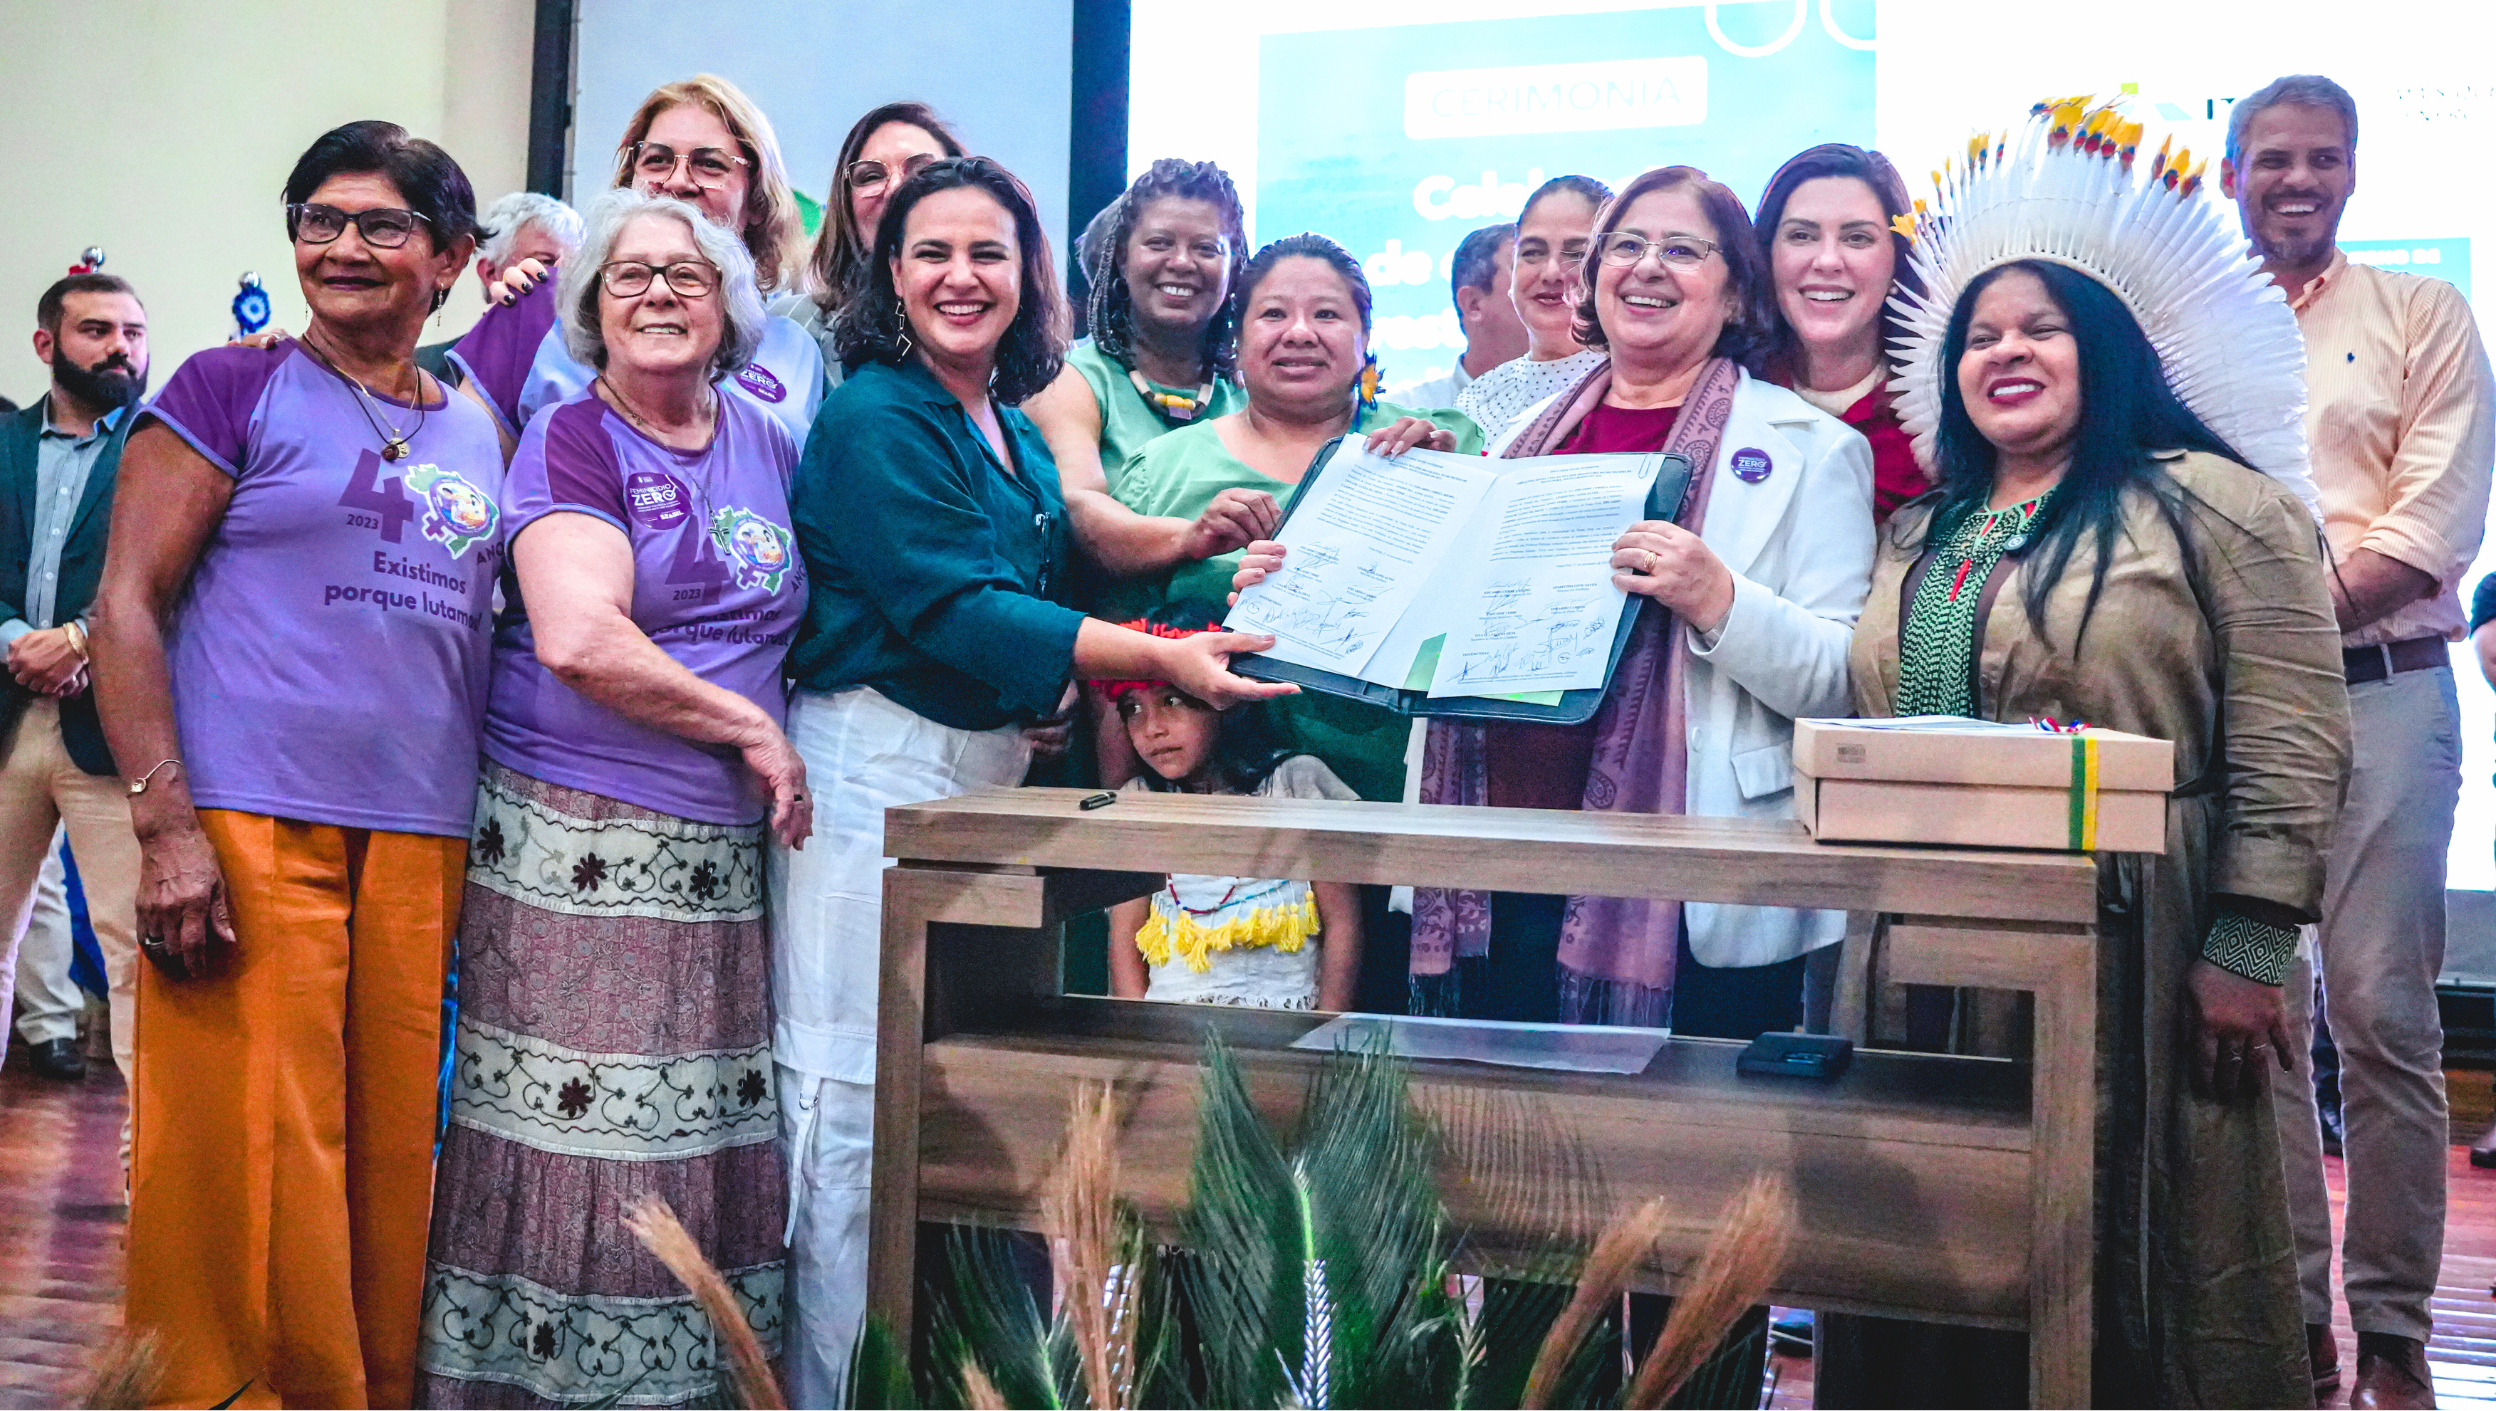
1649	570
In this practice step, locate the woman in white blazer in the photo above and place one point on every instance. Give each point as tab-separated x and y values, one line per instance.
1756	578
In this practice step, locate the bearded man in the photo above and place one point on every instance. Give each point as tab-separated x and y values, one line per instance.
57	460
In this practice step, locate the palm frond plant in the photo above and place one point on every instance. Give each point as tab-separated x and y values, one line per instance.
1318	1268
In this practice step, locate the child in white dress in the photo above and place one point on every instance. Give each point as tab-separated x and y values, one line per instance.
1248	941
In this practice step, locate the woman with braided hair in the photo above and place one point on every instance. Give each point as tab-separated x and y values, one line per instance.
1162	262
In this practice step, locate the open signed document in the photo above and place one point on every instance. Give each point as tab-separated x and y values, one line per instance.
1453	575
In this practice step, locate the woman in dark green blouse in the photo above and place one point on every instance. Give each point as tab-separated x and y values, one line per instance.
936	630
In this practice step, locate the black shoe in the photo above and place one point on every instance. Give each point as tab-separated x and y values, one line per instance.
58	1059
2330	1114
2483	1151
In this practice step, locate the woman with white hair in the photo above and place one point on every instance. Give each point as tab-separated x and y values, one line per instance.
614	1035
524	225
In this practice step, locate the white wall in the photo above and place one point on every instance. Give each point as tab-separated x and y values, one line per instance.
998	70
163	132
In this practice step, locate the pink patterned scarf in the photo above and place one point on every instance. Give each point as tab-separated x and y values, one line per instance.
1616	954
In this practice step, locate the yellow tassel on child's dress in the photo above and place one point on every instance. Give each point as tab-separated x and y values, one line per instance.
1285	928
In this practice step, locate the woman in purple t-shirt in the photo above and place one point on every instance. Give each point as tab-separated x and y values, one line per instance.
614	1034
290	656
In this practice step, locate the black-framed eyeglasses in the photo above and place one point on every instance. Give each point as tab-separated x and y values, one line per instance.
870	174
382	227
691	278
1681	252
709	167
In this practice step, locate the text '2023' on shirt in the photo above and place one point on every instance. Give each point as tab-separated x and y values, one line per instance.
717	585
329	659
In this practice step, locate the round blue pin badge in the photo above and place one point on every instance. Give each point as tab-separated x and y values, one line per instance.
1751	465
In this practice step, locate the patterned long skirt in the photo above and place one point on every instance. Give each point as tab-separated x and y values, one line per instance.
614	1041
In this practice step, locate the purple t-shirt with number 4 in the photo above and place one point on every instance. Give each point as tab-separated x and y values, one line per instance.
717	585
329	660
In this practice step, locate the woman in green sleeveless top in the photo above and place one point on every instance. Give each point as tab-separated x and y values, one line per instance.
1162	261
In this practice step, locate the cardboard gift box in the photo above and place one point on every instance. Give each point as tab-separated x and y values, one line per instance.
1979	783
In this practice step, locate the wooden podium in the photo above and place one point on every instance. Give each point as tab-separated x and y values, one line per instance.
1947	1189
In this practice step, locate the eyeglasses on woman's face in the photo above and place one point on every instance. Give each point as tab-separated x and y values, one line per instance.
382	227
693	279
871	175
708	167
1676	252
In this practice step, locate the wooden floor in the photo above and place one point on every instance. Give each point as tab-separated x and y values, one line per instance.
61	1220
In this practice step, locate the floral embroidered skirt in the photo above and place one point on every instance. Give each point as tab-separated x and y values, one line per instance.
614	1041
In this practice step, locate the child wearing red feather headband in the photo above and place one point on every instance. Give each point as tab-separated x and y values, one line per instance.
1248	941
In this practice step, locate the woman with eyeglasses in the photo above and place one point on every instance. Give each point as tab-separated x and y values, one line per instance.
883	149
1552	230
1751	590
937	628
703	142
291	646
614	1032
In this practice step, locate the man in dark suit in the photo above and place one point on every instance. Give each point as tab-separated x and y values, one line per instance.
57	460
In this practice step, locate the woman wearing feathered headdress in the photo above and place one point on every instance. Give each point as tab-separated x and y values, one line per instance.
2109	397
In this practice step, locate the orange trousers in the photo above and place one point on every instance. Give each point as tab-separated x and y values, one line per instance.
282	1176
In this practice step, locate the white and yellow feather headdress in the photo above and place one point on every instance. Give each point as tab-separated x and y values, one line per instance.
2067	193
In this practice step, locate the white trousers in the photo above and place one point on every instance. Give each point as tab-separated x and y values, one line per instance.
864	754
48	1001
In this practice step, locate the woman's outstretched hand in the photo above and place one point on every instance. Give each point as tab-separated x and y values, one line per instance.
1201	666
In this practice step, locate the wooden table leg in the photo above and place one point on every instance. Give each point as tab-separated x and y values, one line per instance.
2059	966
990	967
893	1215
2063	1248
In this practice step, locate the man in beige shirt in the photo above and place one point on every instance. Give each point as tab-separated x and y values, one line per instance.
2398	413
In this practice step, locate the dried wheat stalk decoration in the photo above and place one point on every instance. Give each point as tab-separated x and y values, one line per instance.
129	1371
1081	1217
659	1231
979	1393
1743	1258
1620	1247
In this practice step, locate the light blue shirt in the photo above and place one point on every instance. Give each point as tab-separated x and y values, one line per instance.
63	461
